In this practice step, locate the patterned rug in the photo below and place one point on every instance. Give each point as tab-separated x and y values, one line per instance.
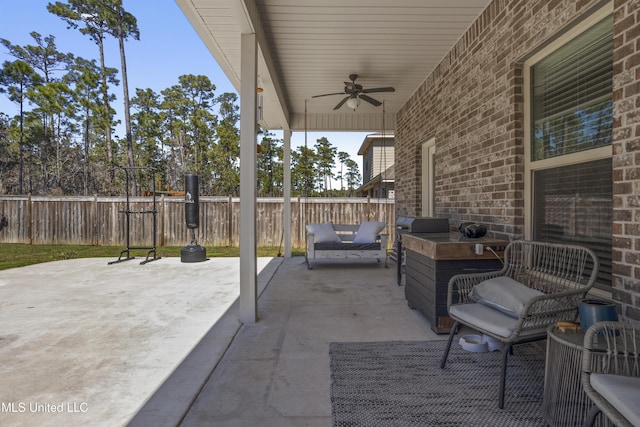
400	383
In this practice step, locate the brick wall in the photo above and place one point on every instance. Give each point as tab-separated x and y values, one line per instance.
472	104
626	157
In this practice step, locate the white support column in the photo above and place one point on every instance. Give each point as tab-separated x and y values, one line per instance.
286	161
248	176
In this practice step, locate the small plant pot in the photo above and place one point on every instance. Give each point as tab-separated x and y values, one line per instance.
596	310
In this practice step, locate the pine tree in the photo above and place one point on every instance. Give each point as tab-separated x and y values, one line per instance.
226	154
92	15
326	154
270	169
303	171
15	79
353	176
343	157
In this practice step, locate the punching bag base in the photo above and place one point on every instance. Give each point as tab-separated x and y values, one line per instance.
193	253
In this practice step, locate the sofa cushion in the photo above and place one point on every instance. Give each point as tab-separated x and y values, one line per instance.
504	294
323	233
368	231
347	246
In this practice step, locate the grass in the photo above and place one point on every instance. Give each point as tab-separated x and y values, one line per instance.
14	255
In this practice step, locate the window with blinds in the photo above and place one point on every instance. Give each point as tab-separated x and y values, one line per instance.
572	95
573	205
571	111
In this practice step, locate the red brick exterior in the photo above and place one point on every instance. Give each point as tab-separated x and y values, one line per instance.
472	104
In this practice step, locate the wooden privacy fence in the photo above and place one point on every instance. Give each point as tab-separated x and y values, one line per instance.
101	220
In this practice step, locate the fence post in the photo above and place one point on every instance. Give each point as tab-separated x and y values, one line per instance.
230	219
161	227
28	221
303	222
96	238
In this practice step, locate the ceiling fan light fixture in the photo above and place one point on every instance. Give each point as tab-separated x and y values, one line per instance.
353	102
355	92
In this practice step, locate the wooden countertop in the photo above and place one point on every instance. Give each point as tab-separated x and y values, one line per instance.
451	246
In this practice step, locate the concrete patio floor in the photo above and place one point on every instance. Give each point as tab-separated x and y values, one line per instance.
86	343
161	344
276	371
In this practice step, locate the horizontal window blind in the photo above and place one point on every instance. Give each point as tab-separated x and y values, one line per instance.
572	95
572	204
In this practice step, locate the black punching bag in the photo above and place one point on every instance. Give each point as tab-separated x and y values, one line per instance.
192	252
191	200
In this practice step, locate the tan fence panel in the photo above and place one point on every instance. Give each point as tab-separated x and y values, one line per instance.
103	220
14	210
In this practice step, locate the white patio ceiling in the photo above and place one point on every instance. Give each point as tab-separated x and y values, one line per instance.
309	47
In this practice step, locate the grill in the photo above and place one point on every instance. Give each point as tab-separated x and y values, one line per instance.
421	224
405	224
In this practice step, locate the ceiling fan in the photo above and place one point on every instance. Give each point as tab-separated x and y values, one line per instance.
355	92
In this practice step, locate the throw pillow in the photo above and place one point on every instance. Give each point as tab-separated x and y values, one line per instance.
504	294
368	232
323	233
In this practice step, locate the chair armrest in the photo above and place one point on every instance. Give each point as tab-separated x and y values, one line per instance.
559	301
548	309
617	348
615	352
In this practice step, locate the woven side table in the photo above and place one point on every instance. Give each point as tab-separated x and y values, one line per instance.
565	402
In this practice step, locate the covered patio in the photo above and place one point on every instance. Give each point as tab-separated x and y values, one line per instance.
463	111
280	55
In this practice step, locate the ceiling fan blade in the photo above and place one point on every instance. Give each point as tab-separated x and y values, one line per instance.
379	89
328	94
341	103
370	100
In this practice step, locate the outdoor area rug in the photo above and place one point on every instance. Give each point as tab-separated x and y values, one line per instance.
400	383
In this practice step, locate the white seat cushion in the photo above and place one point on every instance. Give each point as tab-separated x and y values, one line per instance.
484	318
368	231
622	392
505	294
324	233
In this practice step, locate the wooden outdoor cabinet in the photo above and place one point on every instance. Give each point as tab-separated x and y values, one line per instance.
431	260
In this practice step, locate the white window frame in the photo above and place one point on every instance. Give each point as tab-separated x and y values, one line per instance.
428	177
530	166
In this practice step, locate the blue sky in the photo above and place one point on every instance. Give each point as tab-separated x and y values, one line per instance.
168	48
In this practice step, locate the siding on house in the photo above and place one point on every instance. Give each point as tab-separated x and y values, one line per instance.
473	103
377	151
377	159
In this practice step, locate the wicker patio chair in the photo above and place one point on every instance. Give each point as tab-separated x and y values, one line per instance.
540	284
611	372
